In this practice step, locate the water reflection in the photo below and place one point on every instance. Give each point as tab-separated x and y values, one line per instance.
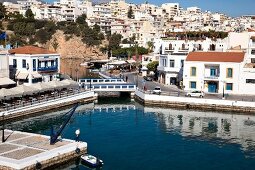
213	127
216	128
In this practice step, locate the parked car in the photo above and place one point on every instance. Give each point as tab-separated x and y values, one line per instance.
157	90
147	78
195	93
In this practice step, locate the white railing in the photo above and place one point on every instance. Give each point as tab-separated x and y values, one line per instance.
100	81
110	87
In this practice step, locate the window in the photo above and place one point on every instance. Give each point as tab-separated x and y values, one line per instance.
212	72
253	52
34	63
193	85
252	60
46	63
164	62
252	81
52	63
229	72
39	64
24	64
229	86
14	63
182	63
171	63
193	71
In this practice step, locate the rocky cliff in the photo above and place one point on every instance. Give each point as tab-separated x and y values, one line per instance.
73	48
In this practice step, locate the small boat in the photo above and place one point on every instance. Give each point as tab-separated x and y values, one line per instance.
91	161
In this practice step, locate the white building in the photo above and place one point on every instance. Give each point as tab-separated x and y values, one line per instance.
215	72
32	64
4	70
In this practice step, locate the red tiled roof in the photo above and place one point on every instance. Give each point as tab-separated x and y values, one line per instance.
30	50
236	57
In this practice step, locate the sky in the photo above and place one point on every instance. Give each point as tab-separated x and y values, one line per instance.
232	8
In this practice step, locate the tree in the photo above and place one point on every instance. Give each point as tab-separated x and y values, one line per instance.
55	44
150	46
130	13
2	11
42	36
152	66
81	19
114	41
29	14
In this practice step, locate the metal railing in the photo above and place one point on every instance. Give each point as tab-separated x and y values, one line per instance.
100	81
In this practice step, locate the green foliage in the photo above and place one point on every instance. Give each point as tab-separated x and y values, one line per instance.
2	11
150	46
130	13
29	14
39	24
42	36
55	44
114	41
152	66
81	19
22	28
129	51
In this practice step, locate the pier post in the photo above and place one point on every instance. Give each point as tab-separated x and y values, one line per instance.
3	129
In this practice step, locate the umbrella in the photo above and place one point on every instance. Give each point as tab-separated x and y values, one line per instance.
70	83
42	86
57	84
25	90
8	93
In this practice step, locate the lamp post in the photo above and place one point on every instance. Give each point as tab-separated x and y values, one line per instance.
3	140
223	88
77	133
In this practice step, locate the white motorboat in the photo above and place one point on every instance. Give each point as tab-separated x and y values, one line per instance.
91	161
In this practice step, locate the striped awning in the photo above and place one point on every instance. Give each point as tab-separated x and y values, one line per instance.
6	81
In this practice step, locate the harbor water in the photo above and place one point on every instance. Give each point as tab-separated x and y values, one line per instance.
128	136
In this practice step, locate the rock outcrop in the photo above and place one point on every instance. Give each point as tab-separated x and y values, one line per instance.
73	48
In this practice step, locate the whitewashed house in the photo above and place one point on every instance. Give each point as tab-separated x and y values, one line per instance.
215	72
30	64
173	53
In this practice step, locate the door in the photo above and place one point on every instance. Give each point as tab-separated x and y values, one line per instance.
212	87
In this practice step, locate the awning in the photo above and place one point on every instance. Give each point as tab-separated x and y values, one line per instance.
36	75
22	76
6	81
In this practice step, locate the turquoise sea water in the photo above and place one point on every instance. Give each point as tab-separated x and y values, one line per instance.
131	137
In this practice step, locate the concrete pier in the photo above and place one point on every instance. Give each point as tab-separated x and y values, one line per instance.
32	151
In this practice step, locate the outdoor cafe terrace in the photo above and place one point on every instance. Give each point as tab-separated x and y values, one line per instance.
27	95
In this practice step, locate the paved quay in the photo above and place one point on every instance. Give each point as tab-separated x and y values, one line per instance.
149	99
29	151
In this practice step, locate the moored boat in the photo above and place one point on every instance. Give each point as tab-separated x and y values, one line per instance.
91	161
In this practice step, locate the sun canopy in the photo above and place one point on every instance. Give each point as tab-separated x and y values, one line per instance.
25	90
42	86
70	83
57	84
6	81
9	93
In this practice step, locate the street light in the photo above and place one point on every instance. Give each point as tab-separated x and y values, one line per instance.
77	133
223	88
3	140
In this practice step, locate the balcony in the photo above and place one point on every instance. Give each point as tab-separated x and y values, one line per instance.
216	77
51	68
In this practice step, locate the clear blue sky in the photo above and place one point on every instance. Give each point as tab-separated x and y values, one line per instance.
230	7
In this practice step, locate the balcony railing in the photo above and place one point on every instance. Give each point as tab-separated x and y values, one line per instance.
216	77
52	68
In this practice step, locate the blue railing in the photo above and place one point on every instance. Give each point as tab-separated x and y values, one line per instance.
96	81
53	68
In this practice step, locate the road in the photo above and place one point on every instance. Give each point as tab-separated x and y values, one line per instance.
175	91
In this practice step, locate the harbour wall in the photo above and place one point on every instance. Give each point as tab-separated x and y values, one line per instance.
195	103
30	110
